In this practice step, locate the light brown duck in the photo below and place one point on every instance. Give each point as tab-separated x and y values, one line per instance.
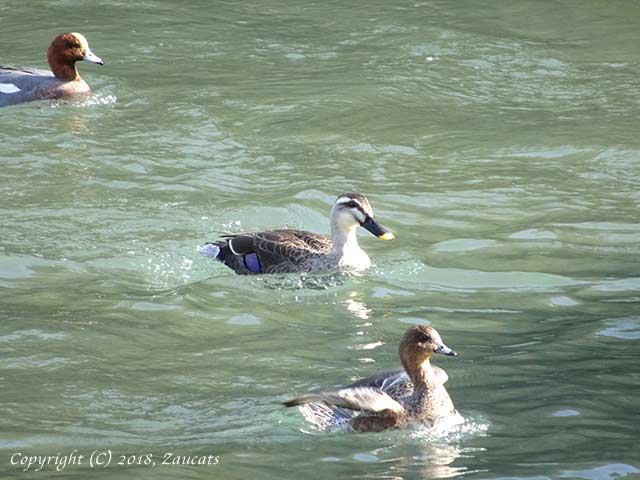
392	399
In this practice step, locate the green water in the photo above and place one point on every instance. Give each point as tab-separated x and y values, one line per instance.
498	140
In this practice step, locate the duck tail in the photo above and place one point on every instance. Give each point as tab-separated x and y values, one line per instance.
302	399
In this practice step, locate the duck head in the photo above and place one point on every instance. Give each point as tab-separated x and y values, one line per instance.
352	210
418	344
67	49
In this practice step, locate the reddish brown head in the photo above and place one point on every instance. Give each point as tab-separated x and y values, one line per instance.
67	49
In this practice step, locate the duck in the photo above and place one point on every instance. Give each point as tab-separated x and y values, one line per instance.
415	395
288	250
23	84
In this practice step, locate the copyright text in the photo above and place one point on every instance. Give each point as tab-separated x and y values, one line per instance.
106	458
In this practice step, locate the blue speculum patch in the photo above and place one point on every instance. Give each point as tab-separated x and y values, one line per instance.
251	262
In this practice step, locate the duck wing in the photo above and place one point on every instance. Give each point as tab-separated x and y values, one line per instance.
327	417
397	383
363	399
11	70
275	251
24	84
363	408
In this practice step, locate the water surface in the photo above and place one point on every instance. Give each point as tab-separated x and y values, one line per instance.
499	143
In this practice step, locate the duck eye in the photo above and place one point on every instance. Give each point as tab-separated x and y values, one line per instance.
352	204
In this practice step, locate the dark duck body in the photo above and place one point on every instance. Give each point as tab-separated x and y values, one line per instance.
286	251
389	400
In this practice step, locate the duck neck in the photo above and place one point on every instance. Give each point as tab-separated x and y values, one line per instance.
65	72
63	68
344	241
422	376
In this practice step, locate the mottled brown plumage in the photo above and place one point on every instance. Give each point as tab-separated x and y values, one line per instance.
278	251
284	251
392	399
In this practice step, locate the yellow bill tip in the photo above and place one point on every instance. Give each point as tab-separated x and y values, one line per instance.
387	236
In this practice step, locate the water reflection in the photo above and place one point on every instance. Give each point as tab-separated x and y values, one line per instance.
419	452
435	461
357	308
626	328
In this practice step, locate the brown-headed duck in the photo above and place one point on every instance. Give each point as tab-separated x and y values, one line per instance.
391	399
286	251
19	84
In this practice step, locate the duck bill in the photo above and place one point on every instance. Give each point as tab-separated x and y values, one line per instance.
89	56
445	350
382	233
